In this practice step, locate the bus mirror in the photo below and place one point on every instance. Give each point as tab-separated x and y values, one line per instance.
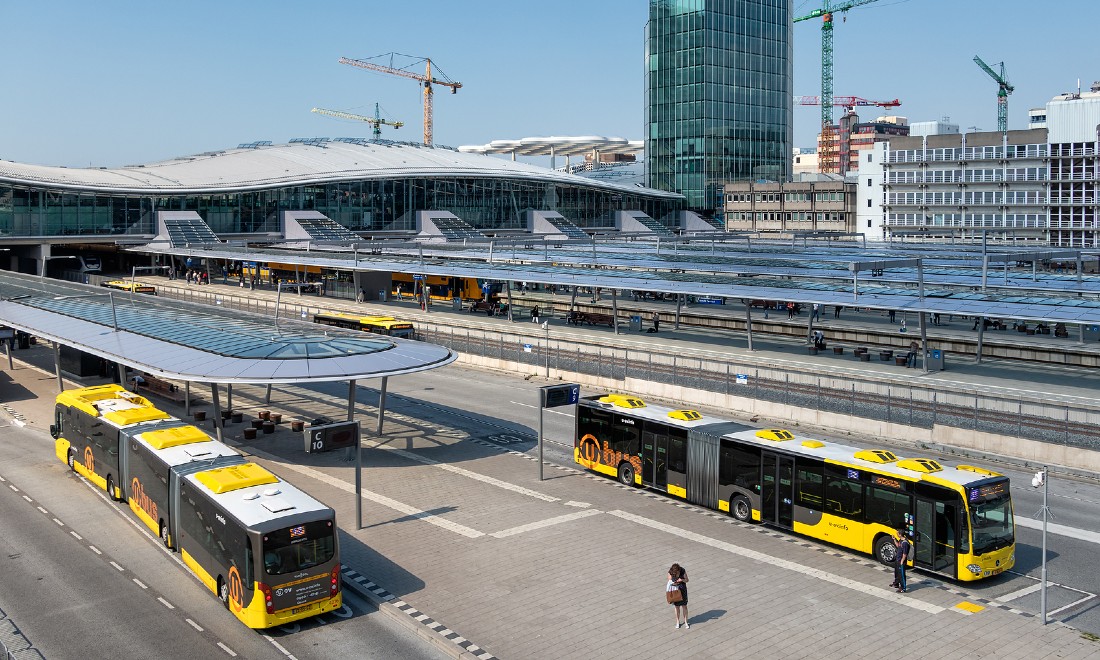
53	431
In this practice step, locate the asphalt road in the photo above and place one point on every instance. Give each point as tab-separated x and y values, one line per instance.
81	579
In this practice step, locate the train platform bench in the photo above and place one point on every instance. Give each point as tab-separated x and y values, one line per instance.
591	318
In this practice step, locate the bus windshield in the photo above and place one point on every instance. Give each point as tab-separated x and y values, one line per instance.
298	547
991	521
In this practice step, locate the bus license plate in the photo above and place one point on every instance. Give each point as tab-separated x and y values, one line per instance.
299	610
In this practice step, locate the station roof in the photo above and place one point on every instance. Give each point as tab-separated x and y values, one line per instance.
299	163
558	146
1021	304
192	342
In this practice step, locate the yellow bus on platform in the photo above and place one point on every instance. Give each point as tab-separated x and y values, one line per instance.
128	286
266	549
959	518
379	325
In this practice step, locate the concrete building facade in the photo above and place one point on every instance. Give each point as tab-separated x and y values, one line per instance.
790	207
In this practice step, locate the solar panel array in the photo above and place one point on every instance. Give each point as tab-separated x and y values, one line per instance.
327	229
189	231
653	225
456	229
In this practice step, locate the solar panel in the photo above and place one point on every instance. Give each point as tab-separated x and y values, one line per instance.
327	229
189	231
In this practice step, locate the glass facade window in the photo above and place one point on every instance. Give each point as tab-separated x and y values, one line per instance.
718	96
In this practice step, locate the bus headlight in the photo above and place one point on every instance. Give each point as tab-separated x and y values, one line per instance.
974	568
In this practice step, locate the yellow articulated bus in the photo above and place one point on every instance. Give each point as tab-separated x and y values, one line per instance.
379	325
267	550
958	518
125	285
445	288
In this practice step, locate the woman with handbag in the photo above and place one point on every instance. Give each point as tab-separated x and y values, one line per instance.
676	593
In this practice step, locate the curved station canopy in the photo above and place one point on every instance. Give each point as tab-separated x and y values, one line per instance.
198	343
557	146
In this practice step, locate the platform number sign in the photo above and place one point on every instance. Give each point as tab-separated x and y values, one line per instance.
328	437
560	395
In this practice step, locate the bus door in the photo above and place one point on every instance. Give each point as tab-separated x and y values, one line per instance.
654	456
677	462
935	526
777	501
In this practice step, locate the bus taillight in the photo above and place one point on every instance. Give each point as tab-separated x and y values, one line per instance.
266	590
334	587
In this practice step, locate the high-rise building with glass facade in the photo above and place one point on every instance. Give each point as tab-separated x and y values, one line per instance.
718	96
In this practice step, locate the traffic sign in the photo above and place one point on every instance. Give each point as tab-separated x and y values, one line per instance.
560	395
327	437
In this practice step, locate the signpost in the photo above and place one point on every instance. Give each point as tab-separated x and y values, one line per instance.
554	396
328	437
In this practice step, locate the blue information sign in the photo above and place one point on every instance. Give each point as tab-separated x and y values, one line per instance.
560	395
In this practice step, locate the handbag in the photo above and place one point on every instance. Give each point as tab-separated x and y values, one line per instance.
674	596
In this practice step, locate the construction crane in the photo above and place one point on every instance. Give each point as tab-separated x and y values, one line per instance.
427	80
846	101
376	122
1003	90
825	12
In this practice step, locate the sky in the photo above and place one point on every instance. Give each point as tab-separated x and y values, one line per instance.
112	83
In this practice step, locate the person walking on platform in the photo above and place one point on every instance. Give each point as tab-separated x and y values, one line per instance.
836	311
535	314
790	310
911	356
362	296
892	314
656	322
817	313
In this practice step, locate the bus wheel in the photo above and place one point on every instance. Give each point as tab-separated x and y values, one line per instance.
111	488
164	535
741	509
885	550
223	592
626	474
72	460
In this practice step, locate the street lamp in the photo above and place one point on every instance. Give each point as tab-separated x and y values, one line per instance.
1040	479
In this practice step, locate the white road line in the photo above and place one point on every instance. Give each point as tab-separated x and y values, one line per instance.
877	592
59	522
227	649
569	517
471	475
94	549
579	505
194	625
26	497
3	480
413	512
139	583
166	603
1063	530
549	410
43	510
1018	594
13	488
282	649
78	537
1073	604
120	569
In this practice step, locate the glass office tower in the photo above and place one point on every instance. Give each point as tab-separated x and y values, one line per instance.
718	96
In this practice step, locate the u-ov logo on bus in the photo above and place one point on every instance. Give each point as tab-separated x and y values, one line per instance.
89	459
236	589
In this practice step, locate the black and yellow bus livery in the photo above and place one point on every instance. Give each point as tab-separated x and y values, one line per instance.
128	286
379	325
446	288
265	548
959	518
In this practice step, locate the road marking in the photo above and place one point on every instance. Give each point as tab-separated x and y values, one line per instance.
569	517
579	505
1018	594
194	625
59	522
43	510
29	499
469	474
282	649
169	605
549	410
120	569
855	585
139	583
412	512
78	537
3	480
94	549
11	486
1073	604
1063	530
227	649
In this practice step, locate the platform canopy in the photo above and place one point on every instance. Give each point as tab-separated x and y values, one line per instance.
201	343
557	146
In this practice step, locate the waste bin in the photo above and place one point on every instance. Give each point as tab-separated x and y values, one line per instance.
456	304
636	323
381	295
934	359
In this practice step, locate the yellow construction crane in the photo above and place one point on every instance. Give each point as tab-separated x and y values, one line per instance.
375	122
427	80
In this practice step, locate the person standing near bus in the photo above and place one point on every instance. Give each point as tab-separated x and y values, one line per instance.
362	295
677	579
535	314
903	556
656	322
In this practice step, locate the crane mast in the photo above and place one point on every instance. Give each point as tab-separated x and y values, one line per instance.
1003	90
427	80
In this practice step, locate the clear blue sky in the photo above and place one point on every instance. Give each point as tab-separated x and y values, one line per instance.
111	83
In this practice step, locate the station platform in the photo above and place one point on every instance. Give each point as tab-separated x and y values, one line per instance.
460	536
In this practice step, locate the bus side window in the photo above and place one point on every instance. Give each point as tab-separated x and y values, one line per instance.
808	483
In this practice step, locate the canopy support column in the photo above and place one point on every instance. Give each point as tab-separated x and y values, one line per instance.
573	301
217	410
508	290
187	398
923	320
229	396
981	335
267	397
615	309
748	321
679	304
57	366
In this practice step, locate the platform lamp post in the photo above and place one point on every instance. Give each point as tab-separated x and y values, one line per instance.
1040	479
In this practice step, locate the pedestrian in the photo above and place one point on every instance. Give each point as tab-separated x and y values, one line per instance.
817	313
138	381
362	296
911	356
656	322
935	318
535	314
399	292
836	311
892	314
790	310
677	580
903	548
